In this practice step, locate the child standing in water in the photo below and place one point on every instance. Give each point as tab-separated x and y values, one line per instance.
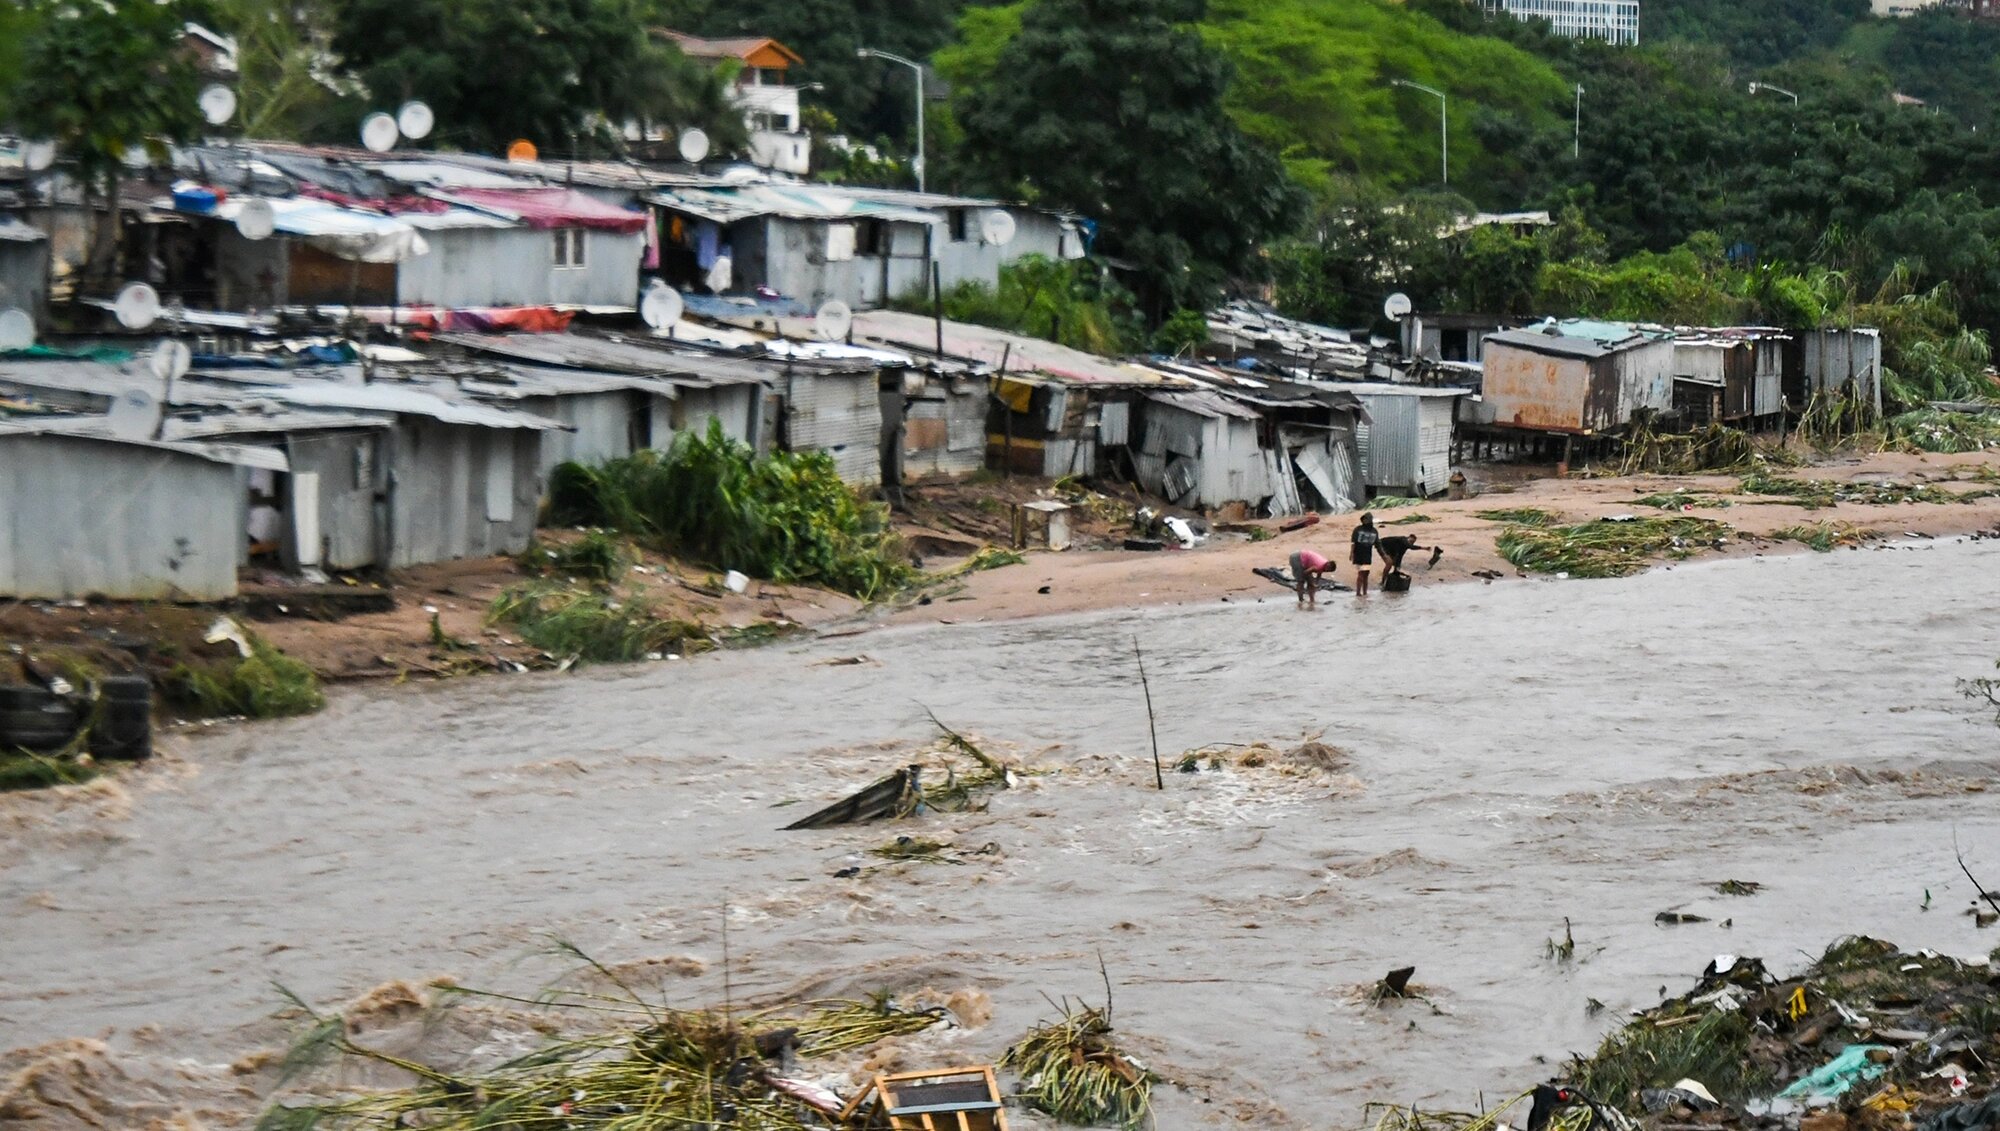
1362	552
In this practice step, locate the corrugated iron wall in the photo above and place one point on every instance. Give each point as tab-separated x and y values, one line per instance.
840	414
604	424
349	468
462	492
80	517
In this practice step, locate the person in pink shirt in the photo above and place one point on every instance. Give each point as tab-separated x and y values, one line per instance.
1306	568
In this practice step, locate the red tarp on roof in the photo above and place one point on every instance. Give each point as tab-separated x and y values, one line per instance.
554	208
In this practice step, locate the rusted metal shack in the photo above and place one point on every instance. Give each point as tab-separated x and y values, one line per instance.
1576	378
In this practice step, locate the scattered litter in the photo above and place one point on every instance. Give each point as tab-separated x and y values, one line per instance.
1831	1080
1679	917
226	628
1739	887
736	582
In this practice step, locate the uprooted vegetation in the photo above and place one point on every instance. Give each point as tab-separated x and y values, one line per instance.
1936	430
1823	536
595	625
1868	1035
1073	1070
1520	516
905	793
635	1064
786	516
1607	547
1816	494
1716	447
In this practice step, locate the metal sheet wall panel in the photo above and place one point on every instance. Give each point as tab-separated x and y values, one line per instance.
1532	390
81	516
1114	423
346	464
439	494
1389	441
601	423
1434	416
840	414
734	405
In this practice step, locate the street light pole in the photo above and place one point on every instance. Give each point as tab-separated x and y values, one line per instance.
1444	127
1757	86
871	53
1576	143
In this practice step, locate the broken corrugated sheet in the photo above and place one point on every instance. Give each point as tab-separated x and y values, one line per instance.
616	355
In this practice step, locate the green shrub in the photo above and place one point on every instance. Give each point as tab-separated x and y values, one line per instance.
597	556
786	516
594	625
267	684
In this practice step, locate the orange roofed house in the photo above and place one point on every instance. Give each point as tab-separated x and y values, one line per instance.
764	93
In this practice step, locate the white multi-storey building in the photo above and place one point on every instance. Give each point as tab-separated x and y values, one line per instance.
1614	21
769	102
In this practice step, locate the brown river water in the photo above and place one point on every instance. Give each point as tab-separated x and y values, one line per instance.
1520	753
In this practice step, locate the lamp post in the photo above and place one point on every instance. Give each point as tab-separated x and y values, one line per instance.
871	53
1755	87
1444	127
1576	142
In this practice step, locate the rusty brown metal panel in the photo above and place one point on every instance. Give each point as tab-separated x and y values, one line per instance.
1532	390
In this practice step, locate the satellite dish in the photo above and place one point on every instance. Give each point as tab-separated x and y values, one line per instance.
721	274
39	155
378	132
997	227
832	321
256	220
17	330
1396	305
136	157
134	415
170	360
137	306
694	146
521	149
415	120
660	307
218	103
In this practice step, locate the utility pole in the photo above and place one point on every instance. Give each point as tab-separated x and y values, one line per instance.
1576	144
918	69
1444	127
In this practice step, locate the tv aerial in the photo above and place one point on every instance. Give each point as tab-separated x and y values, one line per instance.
218	103
996	227
661	306
17	330
833	320
135	414
256	220
415	120
137	306
379	132
693	146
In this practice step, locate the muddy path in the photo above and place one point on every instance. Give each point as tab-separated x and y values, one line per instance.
1518	754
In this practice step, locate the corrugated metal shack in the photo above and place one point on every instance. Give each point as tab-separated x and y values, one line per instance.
1306	435
1200	448
85	514
1834	360
1728	374
1438	336
1576	377
1404	437
24	268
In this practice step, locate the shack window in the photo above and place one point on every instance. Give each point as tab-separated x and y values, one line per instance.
868	238
568	247
958	225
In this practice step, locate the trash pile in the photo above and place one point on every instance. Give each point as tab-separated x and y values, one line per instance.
1869	1038
905	793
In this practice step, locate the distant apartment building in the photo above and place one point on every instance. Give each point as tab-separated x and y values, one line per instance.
1613	21
762	90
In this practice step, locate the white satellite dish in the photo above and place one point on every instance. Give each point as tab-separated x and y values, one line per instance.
137	306
256	220
996	227
170	360
661	306
39	155
17	330
415	120
694	146
218	103
379	133
134	415
832	321
721	275
136	157
1396	305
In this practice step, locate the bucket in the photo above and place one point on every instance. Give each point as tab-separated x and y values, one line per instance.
1395	581
123	730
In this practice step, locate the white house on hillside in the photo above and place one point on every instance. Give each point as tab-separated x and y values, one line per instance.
769	102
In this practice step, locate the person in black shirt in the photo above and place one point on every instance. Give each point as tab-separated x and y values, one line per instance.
1362	552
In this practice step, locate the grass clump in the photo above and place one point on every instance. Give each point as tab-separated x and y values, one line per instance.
25	769
594	625
786	516
1709	1045
1817	494
597	556
1605	548
1519	516
266	684
1934	430
1675	500
1823	536
1394	502
1072	1070
1409	519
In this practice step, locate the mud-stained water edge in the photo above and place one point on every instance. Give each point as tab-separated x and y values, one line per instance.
1519	753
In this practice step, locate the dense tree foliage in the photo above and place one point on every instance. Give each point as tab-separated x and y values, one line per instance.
1755	34
1113	108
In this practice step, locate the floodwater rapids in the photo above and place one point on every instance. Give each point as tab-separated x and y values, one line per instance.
1521	753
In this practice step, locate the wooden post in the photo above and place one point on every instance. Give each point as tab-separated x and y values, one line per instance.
937	305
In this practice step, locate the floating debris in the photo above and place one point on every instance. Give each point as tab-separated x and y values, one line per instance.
1072	1070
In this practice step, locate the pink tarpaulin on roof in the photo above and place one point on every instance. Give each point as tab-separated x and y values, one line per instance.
553	208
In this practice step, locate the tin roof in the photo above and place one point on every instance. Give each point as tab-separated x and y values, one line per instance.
97	427
986	346
618	355
14	231
727	204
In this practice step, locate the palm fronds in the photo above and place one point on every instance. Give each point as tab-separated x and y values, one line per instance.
1606	548
1072	1070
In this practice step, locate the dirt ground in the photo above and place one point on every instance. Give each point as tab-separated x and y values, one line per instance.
945	522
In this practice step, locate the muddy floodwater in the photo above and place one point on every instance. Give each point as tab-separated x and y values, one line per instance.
1520	753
